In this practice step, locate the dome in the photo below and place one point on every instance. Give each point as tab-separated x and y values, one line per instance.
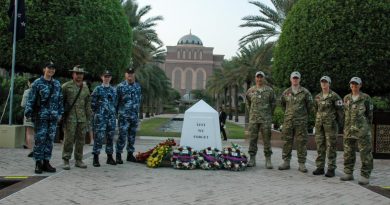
189	40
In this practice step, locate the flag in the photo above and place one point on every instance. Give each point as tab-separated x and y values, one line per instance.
21	18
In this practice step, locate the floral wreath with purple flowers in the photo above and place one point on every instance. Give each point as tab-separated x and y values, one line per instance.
209	159
233	159
184	157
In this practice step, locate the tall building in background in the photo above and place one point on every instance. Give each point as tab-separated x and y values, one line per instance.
189	64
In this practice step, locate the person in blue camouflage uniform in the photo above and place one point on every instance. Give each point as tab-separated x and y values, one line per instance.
129	99
103	101
44	107
357	132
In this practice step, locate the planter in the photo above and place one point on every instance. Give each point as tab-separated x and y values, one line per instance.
12	136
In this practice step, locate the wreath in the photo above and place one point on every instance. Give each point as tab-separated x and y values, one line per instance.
184	158
209	159
142	157
233	159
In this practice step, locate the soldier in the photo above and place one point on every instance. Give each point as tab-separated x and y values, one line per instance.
44	107
77	115
103	100
328	108
129	99
261	105
297	103
357	129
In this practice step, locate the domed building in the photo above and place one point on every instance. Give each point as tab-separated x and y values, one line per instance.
189	64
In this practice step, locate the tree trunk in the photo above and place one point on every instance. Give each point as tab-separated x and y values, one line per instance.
230	103
248	84
141	109
147	114
236	102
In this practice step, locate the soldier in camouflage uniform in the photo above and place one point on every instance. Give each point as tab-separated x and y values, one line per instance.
297	103
103	101
76	118
44	107
328	108
261	105
357	132
129	99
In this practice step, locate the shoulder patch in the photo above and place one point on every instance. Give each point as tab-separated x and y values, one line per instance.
339	103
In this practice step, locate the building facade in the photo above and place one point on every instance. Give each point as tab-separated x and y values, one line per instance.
189	64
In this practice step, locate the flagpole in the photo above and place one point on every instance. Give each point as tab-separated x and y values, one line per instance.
13	62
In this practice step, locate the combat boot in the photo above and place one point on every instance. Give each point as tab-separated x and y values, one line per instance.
268	163
252	161
80	164
363	180
47	167
330	173
346	177
96	160
38	167
130	157
302	168
319	171
119	158
110	160
66	165
285	165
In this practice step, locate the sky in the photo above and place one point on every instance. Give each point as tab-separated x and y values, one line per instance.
215	22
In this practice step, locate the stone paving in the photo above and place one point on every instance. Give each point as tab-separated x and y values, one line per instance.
133	183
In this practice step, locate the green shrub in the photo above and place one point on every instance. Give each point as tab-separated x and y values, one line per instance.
381	103
341	39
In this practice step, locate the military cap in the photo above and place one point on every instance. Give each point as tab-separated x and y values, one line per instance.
295	74
130	70
260	73
77	69
326	78
49	65
356	80
106	72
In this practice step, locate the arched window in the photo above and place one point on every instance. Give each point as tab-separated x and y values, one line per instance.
178	54
200	80
195	55
184	54
201	55
189	55
188	81
177	79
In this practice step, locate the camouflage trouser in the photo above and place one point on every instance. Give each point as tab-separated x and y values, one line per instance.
104	127
127	130
350	148
326	138
45	133
74	135
265	129
299	132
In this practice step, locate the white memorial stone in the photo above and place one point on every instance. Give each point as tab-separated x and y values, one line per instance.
201	127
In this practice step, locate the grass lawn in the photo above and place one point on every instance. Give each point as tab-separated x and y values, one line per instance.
151	127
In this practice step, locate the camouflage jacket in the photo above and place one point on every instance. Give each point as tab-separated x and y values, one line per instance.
81	111
297	107
261	104
358	116
328	108
45	99
129	99
103	101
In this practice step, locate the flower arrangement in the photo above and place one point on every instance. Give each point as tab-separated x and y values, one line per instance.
209	159
158	154
142	157
184	158
233	159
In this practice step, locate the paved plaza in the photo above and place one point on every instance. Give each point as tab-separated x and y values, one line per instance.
133	183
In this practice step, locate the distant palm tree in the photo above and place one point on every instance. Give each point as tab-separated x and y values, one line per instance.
145	38
269	23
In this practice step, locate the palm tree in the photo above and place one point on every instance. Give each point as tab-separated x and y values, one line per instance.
269	23
145	38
